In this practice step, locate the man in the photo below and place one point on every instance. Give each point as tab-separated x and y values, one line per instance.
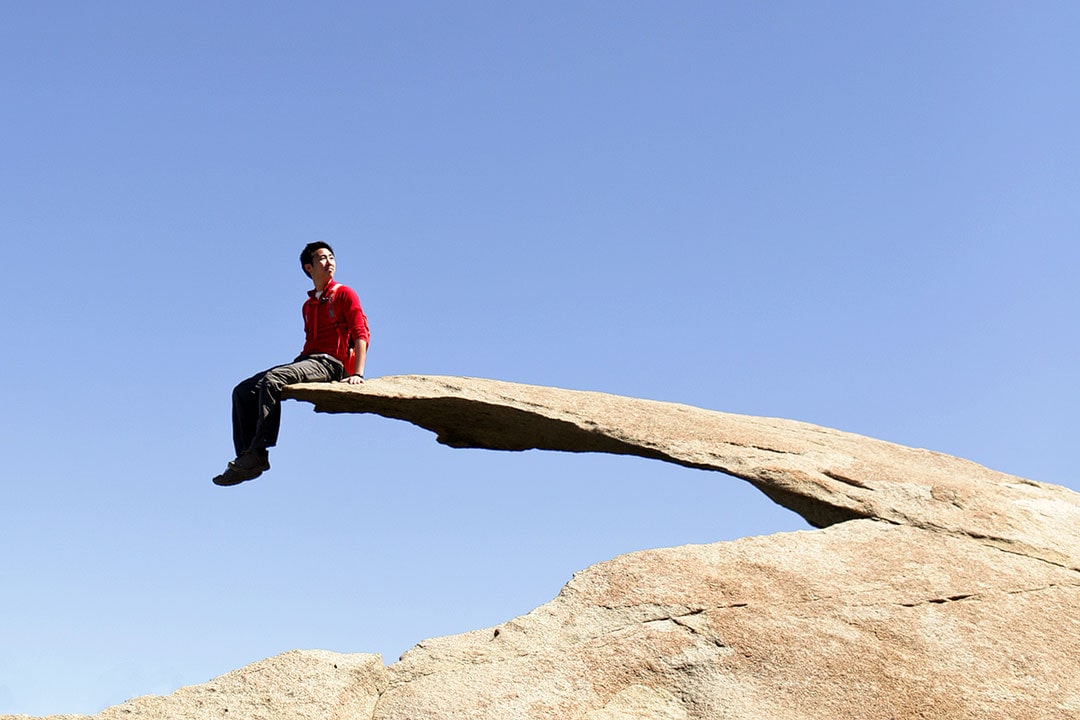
335	349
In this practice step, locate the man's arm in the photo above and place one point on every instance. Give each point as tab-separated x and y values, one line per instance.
358	331
356	373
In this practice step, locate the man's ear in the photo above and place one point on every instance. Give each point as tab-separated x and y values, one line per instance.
307	269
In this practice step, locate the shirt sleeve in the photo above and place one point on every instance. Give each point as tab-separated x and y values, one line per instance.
354	315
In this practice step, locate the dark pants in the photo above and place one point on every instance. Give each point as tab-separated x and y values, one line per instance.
256	402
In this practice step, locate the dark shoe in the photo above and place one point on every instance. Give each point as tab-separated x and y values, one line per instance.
247	466
232	476
252	461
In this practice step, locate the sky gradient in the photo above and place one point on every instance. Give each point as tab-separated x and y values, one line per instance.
860	215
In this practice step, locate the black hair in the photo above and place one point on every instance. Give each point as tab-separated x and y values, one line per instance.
309	250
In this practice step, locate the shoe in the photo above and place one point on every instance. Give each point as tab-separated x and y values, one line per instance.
251	461
247	466
232	476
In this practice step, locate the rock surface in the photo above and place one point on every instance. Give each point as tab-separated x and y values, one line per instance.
935	588
301	685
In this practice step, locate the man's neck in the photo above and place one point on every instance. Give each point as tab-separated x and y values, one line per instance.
319	288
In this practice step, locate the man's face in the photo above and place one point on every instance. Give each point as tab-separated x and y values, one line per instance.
322	266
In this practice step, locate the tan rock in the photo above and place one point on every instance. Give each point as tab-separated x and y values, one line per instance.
825	475
638	702
863	619
936	588
302	685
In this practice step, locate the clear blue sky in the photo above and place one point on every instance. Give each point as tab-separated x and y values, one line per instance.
862	215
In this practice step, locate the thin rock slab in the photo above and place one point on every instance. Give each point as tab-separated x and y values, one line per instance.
825	475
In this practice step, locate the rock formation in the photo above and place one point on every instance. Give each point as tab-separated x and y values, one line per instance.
935	588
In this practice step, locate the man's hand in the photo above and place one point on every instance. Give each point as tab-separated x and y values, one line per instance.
353	380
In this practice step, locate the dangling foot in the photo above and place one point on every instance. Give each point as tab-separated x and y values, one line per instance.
247	466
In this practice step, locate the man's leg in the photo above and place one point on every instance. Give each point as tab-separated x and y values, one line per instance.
317	368
257	413
245	412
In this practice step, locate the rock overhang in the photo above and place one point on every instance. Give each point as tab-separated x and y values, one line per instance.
827	476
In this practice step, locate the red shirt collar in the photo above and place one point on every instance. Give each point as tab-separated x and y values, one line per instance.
311	293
